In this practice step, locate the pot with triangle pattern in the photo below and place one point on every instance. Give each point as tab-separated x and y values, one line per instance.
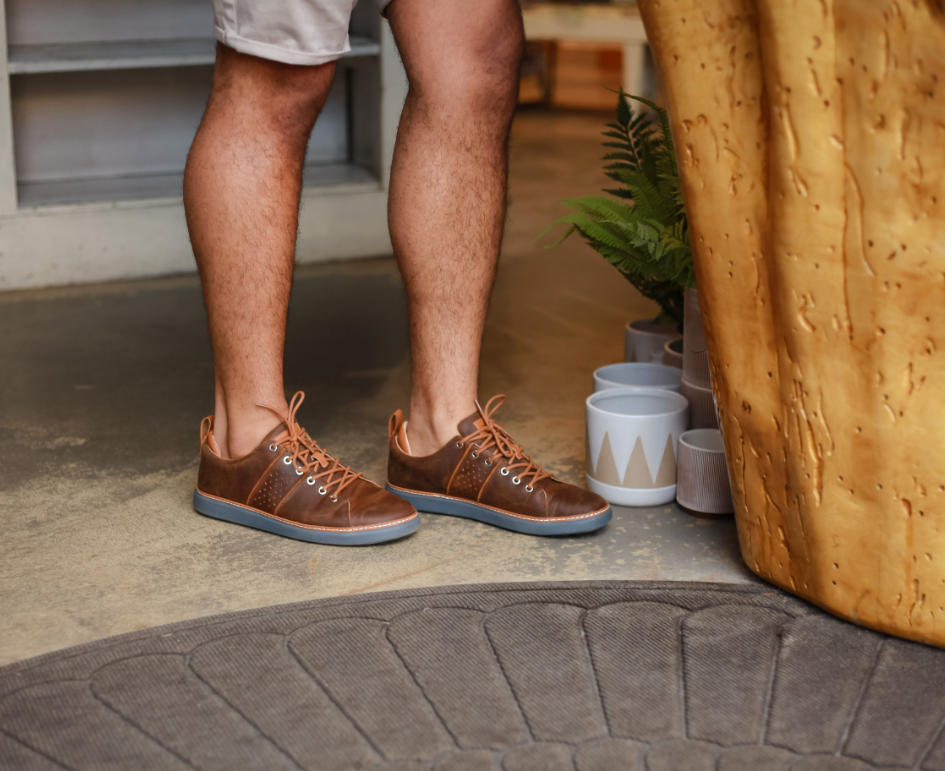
632	442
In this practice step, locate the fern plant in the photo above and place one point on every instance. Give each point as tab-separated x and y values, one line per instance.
642	229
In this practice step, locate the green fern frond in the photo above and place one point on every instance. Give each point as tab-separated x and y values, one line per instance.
642	229
647	197
603	208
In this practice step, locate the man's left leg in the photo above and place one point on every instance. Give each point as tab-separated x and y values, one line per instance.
448	192
446	211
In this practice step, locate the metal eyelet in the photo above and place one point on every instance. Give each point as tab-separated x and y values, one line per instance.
287	460
460	444
474	455
273	447
299	471
504	471
310	481
529	489
333	499
516	481
322	491
487	462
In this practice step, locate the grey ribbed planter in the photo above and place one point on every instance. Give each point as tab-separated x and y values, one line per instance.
702	409
702	483
695	356
696	383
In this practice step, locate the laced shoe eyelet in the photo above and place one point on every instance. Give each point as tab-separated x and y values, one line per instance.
310	481
504	471
460	445
333	499
299	471
474	454
516	481
529	489
322	491
273	447
287	460
487	462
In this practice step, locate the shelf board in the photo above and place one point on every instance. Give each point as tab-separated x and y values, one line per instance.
125	55
333	179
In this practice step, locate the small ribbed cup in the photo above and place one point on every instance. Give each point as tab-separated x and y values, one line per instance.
673	353
702	411
702	483
695	356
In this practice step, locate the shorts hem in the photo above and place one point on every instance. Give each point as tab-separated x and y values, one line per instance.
276	53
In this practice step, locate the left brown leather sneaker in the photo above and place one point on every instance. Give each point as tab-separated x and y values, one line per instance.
483	474
290	486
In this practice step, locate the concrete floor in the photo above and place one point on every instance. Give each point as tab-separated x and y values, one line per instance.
103	389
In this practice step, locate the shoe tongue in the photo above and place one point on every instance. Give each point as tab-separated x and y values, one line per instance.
471	424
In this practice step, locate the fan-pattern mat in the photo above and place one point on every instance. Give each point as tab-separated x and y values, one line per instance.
628	676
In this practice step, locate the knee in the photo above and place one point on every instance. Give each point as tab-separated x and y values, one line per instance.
478	82
286	98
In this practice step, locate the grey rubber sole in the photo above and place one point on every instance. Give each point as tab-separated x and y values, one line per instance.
240	515
438	504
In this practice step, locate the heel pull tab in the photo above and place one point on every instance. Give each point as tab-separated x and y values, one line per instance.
394	423
206	426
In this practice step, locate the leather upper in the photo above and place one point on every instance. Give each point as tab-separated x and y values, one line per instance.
269	480
481	470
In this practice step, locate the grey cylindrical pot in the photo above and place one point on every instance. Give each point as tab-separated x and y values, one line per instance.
695	356
644	340
637	374
702	409
673	353
702	483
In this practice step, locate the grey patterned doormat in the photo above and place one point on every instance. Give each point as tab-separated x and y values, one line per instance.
578	676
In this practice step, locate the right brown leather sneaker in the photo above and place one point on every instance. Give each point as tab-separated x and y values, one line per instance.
290	486
483	474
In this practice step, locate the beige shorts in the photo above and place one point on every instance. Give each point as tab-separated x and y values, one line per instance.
290	31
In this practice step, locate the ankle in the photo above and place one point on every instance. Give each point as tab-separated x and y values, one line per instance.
425	439
241	432
428	431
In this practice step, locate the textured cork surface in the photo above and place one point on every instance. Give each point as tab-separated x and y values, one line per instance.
811	136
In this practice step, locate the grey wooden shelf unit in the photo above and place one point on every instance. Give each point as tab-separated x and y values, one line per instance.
99	100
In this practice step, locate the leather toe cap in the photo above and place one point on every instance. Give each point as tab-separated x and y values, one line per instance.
567	500
375	506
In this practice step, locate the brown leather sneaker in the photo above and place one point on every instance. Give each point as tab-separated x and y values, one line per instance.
291	486
483	474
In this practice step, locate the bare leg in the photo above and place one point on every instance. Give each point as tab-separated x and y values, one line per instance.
241	195
448	193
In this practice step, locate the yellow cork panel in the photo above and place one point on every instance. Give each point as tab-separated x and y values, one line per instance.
811	136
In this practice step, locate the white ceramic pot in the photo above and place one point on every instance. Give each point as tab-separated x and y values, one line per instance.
632	441
644	340
673	353
637	375
703	484
695	356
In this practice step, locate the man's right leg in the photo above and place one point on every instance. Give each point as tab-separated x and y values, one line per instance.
241	195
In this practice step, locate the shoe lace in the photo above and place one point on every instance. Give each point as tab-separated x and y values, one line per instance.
491	435
307	456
